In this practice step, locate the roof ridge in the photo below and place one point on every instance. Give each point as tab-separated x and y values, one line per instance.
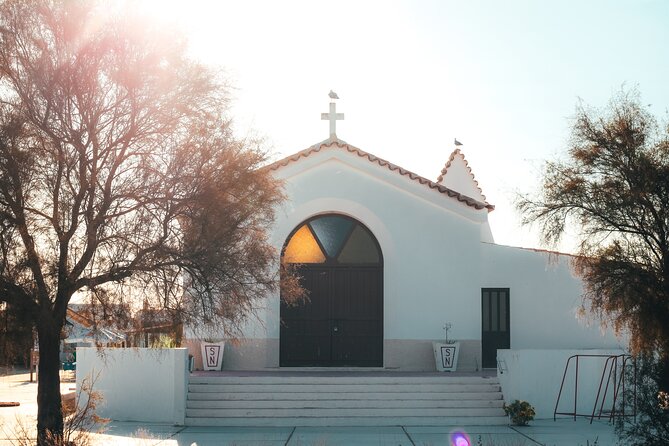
79	318
469	201
455	152
537	250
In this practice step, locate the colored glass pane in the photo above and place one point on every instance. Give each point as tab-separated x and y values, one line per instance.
486	310
331	232
494	312
502	312
303	248
360	248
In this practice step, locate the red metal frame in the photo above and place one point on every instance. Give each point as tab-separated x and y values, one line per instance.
610	365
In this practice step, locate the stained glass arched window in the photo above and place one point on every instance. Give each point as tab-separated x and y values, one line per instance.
332	239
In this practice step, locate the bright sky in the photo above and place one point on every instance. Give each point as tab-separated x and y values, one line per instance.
503	77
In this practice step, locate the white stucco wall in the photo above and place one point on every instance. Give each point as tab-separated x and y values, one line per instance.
137	384
424	285
545	297
535	376
437	257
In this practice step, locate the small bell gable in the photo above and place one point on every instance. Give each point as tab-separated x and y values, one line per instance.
458	176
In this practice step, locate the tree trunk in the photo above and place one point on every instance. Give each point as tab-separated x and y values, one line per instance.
49	409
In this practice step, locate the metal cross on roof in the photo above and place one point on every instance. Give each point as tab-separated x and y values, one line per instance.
332	116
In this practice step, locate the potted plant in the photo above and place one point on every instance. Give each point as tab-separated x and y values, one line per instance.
446	353
520	412
212	354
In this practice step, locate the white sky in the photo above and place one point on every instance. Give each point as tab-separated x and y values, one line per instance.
503	77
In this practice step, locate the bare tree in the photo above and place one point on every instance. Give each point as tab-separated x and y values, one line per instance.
119	176
614	186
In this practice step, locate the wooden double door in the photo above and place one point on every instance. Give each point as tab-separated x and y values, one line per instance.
340	324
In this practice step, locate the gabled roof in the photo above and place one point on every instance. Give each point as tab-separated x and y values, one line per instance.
457	161
84	330
79	318
337	144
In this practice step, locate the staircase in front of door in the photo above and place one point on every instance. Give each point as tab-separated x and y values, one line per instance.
358	400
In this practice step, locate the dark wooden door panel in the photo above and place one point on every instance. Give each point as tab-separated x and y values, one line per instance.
495	320
356	351
360	345
305	351
305	328
358	294
357	313
342	322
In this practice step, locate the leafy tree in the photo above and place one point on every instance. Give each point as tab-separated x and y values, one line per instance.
614	186
120	177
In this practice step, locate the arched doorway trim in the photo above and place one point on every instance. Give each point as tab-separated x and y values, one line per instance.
341	323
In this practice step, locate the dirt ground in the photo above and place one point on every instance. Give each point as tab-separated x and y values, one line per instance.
15	386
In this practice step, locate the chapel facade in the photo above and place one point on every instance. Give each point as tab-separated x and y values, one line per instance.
389	257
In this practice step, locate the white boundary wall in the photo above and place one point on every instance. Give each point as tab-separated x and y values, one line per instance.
137	384
535	376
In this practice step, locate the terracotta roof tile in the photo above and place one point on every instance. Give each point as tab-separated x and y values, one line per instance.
538	250
336	143
79	318
440	178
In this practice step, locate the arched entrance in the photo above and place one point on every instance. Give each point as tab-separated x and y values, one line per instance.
341	324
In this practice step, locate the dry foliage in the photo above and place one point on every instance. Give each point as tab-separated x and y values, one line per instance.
120	178
81	421
614	187
292	291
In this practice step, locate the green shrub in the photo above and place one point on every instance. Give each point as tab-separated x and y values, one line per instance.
520	412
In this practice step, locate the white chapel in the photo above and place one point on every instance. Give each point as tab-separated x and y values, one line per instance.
389	258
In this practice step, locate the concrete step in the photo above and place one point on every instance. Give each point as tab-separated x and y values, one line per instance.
369	387
349	400
358	379
298	396
347	412
342	404
350	421
339	413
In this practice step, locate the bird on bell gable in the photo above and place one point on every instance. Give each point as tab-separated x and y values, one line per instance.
456	142
333	95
